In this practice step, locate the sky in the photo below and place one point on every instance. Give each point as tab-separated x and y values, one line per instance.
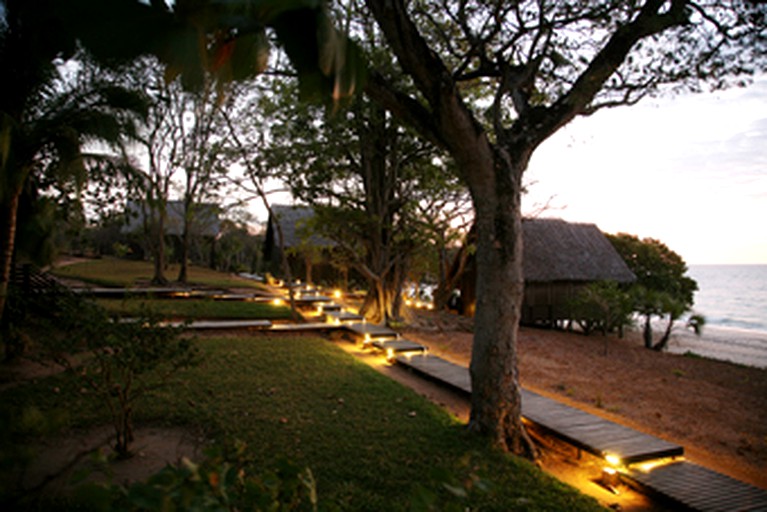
690	171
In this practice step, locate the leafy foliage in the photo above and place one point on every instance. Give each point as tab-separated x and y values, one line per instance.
123	361
380	193
603	306
662	287
223	481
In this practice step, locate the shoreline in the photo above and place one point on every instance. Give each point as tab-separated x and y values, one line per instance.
731	344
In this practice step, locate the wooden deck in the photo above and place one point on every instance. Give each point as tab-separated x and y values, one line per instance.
222	324
305	327
684	484
581	429
342	317
398	346
437	369
157	292
311	300
698	488
368	331
593	433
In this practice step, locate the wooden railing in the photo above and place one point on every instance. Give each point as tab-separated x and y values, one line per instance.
31	280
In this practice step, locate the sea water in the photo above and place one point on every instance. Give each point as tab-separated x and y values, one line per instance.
733	299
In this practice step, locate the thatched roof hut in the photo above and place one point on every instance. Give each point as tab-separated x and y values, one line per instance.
559	259
556	250
294	225
306	251
206	222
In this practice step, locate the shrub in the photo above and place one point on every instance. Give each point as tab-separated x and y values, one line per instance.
122	361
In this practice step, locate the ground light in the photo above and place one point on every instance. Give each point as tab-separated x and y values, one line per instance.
610	478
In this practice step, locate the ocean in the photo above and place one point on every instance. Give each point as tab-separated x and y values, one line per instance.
733	298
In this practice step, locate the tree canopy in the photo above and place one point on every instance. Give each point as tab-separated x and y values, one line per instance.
493	80
662	287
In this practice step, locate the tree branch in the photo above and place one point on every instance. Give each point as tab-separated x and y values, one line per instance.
652	19
403	107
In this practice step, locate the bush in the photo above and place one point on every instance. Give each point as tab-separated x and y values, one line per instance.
123	361
603	306
221	482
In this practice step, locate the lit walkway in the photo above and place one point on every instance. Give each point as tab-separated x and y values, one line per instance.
680	482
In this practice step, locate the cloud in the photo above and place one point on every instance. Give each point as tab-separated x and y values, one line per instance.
689	170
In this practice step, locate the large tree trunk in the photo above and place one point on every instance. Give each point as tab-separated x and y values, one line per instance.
8	216
495	398
383	303
159	250
183	273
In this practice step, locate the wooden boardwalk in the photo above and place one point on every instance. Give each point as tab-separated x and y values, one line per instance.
439	370
398	346
585	431
682	483
342	317
221	324
699	488
368	332
593	433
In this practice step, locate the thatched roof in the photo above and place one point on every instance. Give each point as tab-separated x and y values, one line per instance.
293	224
206	221
556	250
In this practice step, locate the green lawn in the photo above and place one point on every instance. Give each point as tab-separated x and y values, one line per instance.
113	272
196	308
371	443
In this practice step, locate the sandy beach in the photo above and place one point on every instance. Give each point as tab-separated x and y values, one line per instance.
716	410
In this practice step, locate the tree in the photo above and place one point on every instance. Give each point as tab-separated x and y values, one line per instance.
201	161
179	151
374	188
43	139
662	287
189	36
537	65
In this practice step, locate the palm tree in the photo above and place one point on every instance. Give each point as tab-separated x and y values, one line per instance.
45	132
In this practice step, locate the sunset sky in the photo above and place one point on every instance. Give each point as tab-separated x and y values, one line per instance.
690	171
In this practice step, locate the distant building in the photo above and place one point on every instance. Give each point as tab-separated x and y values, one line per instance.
205	228
309	255
559	259
206	220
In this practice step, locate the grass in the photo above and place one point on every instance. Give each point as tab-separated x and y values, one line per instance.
372	443
113	272
196	308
